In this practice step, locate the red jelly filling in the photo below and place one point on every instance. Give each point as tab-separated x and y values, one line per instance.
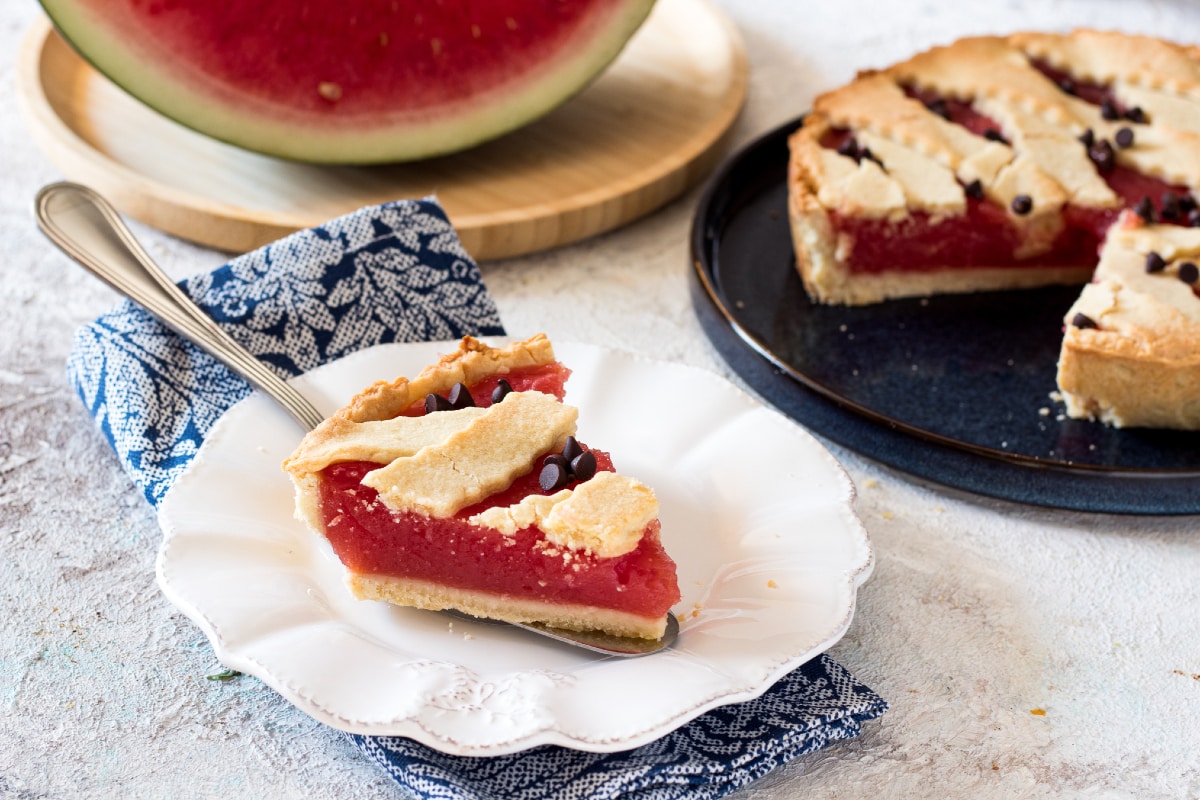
985	235
548	379
1098	94
370	538
956	111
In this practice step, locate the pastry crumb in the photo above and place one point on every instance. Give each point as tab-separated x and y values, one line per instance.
772	585
871	483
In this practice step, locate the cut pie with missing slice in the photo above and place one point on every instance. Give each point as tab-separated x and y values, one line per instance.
465	488
1004	163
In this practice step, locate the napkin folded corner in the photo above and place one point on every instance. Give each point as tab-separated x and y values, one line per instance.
397	272
723	750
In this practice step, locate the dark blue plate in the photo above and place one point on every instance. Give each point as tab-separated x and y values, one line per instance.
953	389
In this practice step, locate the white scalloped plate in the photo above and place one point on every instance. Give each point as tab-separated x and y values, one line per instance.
755	511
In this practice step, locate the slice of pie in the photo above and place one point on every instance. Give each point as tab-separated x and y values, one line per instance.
465	488
1131	351
1000	163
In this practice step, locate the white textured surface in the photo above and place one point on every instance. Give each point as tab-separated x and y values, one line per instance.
978	613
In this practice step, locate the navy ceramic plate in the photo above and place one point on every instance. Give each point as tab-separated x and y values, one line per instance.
953	389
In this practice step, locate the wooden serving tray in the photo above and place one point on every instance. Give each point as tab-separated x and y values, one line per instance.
647	129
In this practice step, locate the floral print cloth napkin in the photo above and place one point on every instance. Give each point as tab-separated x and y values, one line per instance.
398	273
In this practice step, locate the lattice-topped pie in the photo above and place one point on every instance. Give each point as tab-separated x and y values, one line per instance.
1006	162
466	488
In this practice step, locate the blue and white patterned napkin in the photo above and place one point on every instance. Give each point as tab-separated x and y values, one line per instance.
398	273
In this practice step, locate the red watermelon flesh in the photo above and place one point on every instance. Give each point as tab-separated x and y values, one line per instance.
350	81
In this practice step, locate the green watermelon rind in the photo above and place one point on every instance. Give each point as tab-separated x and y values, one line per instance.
197	104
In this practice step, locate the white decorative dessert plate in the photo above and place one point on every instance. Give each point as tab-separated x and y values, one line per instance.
757	514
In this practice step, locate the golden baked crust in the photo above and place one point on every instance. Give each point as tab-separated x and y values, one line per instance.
471	362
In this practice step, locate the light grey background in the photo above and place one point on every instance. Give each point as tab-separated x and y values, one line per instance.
979	612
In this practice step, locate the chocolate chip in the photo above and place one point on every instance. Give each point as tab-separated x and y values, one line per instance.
1102	155
974	190
435	402
553	477
1193	218
1136	115
1088	138
1169	209
502	390
1022	204
1067	85
1155	262
1189	272
1144	208
1186	203
584	466
849	148
993	135
1124	137
556	458
460	397
1108	110
571	449
940	108
1083	321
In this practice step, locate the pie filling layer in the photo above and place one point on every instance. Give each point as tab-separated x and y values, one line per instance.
986	235
372	539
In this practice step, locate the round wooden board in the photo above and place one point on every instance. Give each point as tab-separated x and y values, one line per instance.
647	129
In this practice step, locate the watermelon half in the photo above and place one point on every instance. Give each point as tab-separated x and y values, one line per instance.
350	81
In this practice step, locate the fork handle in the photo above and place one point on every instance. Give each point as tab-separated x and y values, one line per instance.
88	229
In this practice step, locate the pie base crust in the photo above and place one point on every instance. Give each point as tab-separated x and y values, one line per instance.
439	597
